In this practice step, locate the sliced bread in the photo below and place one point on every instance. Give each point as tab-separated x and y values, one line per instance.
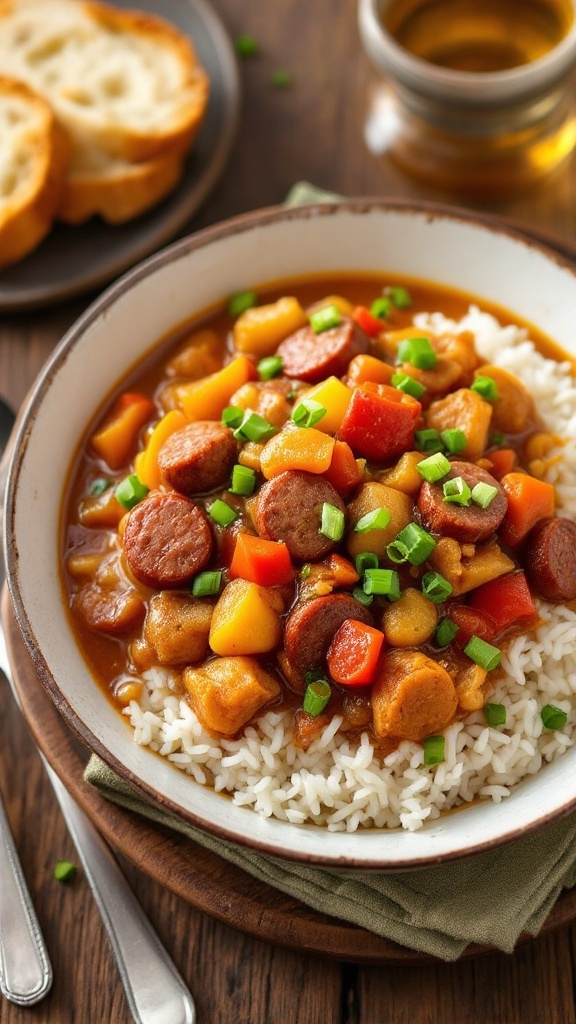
33	161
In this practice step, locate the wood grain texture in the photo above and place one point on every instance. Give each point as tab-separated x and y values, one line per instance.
312	130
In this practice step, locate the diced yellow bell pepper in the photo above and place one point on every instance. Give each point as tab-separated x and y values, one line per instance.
344	305
206	398
246	620
146	462
335	397
260	329
303	448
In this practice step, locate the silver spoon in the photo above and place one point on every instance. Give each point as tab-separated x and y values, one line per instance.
155	991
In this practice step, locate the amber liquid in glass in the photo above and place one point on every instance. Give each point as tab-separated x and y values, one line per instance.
478	35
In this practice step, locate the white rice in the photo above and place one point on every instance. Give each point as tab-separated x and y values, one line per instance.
340	783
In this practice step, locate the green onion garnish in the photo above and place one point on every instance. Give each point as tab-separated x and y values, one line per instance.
222	513
400	297
433	750
435	587
280	78
365	560
483	653
317	696
97	487
483	494
497	438
308	412
305	571
553	717
418	352
445	632
409	385
325	318
380	308
384	582
362	596
457	491
495	715
434	467
332	524
269	367
428	441
130	491
64	871
207	584
243	480
232	416
246	45
486	387
454	440
240	302
413	544
378	519
254	428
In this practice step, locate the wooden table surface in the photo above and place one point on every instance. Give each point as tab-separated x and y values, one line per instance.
312	130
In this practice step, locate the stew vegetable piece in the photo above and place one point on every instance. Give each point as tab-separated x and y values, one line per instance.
310	500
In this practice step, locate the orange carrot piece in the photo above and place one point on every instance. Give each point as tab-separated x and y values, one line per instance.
365	368
344	471
503	461
116	440
342	570
529	500
297	448
265	562
206	398
354	652
146	462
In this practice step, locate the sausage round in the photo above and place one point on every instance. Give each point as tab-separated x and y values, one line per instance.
167	540
550	559
312	357
466	523
310	628
289	508
198	457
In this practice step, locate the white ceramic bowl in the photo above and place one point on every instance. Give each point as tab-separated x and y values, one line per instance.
415	240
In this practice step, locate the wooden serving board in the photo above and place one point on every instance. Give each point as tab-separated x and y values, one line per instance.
201	878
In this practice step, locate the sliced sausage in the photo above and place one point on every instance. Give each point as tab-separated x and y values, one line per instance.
467	523
167	540
289	508
312	357
550	559
412	697
198	457
310	628
113	611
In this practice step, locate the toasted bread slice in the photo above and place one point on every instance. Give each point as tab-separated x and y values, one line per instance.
124	81
33	161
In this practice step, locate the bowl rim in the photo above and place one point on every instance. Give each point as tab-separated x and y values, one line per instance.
25	425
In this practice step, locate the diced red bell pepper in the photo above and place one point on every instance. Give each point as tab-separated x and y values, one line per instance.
505	600
354	652
503	461
369	323
265	562
380	421
471	622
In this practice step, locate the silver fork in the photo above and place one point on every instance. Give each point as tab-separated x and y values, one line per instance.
155	990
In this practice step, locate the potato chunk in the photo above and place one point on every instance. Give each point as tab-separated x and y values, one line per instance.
411	620
246	619
177	627
413	696
467	411
227	692
513	411
468	566
371	496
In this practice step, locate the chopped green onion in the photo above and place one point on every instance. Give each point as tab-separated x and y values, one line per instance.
483	653
232	416
413	544
325	318
384	582
483	494
254	428
434	467
409	385
433	750
222	513
497	438
308	412
380	308
317	696
400	297
130	491
280	78
457	491
455	440
97	487
246	45
553	717
378	519
486	387
207	584
445	632
365	560
332	525
418	352
64	870
269	367
361	596
305	571
243	480
428	441
435	587
240	302
495	715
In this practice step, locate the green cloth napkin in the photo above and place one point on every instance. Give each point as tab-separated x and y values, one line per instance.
488	899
